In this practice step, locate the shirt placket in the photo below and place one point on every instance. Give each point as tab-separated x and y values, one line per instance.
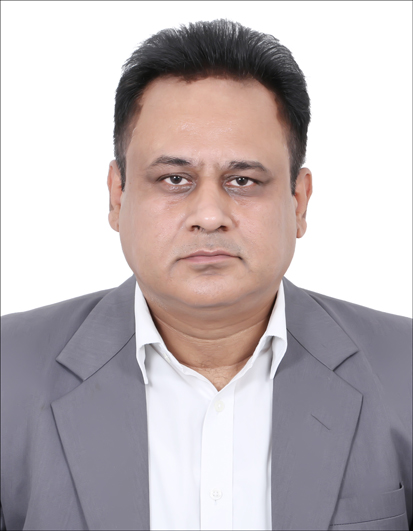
217	461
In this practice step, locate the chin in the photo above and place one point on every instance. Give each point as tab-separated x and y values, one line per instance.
208	294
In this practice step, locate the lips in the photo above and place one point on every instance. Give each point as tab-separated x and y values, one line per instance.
209	257
210	253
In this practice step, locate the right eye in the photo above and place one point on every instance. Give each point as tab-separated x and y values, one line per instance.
176	180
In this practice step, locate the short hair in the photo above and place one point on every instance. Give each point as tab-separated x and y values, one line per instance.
222	49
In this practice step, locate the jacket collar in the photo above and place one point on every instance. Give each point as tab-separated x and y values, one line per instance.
315	329
111	324
105	331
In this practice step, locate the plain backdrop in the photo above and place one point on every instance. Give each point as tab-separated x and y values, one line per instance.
60	65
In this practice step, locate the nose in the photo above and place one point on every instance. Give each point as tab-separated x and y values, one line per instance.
209	209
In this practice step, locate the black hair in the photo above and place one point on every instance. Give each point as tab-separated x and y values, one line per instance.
220	48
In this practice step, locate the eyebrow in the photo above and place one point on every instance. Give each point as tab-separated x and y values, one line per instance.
247	165
170	161
166	160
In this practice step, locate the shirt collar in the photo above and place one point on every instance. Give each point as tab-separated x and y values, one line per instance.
146	332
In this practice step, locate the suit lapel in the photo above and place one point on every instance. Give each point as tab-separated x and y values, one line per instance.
103	427
315	415
102	422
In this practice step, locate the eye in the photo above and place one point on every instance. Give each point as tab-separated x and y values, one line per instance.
176	180
242	182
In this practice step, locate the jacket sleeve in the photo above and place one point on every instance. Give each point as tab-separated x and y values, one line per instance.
2	522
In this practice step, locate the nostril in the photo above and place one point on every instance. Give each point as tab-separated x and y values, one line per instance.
202	229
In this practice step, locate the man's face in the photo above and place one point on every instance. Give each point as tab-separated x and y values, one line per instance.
207	172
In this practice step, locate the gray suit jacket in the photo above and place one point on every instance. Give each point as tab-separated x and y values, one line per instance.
74	435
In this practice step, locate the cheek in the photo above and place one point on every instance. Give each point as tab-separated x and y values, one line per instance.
134	231
146	228
269	235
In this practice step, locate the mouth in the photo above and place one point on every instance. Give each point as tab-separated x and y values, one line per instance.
208	257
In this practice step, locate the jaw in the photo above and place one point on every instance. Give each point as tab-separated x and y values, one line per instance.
210	302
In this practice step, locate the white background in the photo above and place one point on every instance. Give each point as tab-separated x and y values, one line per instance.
61	63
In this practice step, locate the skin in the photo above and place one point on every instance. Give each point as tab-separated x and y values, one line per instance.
210	311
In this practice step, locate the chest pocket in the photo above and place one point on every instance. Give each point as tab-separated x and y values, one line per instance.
385	511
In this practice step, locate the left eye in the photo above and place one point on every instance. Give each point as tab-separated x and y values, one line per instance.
176	179
242	181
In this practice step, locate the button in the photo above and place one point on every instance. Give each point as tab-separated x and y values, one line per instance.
166	357
215	494
219	406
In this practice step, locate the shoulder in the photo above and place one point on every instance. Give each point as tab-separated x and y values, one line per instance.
31	340
61	320
30	343
385	342
367	327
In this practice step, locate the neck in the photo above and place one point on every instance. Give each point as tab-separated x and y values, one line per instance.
217	352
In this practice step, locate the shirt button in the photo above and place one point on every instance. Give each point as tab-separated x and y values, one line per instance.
219	406
215	494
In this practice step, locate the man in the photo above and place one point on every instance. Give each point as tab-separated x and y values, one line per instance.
207	391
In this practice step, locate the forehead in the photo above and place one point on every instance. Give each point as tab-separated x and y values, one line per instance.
223	116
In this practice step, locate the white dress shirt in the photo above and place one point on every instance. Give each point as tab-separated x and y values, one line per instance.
209	450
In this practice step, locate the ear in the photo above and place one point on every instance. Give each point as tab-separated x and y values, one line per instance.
303	191
115	195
